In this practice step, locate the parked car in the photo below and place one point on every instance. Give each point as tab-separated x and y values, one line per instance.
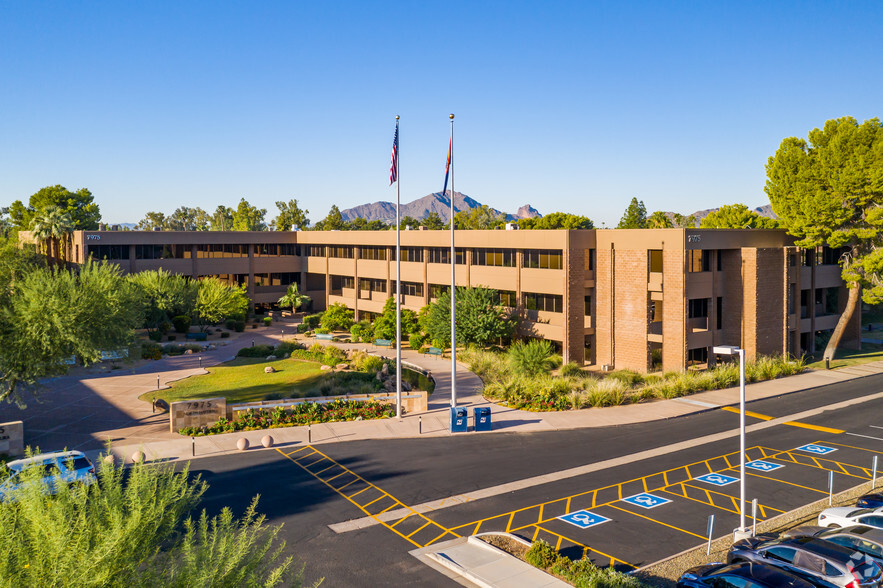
870	501
827	561
867	540
845	516
61	467
756	575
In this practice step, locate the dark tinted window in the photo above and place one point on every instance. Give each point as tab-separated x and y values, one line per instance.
81	463
785	554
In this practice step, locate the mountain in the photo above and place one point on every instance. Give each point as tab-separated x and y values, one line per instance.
420	208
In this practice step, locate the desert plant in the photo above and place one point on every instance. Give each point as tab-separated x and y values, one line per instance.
181	323
541	554
268	320
571	369
532	357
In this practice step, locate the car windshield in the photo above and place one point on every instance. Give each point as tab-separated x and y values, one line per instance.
859	511
81	463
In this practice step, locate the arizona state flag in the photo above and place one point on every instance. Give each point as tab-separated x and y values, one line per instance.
448	169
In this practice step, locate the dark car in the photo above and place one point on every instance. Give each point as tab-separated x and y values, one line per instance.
721	575
828	561
867	540
870	501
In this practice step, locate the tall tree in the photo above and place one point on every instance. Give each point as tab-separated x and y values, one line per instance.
556	220
216	301
481	319
479	218
293	298
659	220
79	205
634	217
222	219
737	216
333	222
291	217
829	191
153	221
162	296
188	219
53	226
433	222
683	222
248	218
409	222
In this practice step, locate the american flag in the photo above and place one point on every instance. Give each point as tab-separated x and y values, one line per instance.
394	166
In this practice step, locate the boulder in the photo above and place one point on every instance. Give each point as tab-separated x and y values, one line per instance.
162	405
109	459
341	366
271	357
242	444
325	368
385	369
286	356
138	457
269	369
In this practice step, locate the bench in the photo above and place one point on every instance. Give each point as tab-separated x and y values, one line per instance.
434	351
383	342
197	336
324	336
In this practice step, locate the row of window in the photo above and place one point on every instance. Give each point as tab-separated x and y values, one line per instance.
204	251
533	258
266	279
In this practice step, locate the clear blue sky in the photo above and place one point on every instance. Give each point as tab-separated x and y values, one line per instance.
572	106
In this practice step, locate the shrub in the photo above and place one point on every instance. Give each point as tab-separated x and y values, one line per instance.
532	357
181	323
303	328
541	555
151	351
155	336
171	338
239	326
256	351
225	335
165	327
312	321
333	355
230	324
287	347
415	341
627	377
371	364
337	317
268	320
317	348
571	369
322	331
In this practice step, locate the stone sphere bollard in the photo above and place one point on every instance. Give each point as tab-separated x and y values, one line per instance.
267	441
138	457
109	459
269	369
242	444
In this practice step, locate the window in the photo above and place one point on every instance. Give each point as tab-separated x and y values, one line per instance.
508	298
494	257
720	313
338	283
162	251
409	254
275	249
720	260
828	255
109	251
443	255
544	302
341	252
785	554
656	311
697	308
412	289
589	259
655	258
436	290
543	258
588	303
698	260
284	278
372	285
234	279
316	251
698	355
376	253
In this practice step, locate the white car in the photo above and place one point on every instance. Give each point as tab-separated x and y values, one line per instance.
61	467
844	516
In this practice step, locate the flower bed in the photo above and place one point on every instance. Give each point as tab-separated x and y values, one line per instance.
301	414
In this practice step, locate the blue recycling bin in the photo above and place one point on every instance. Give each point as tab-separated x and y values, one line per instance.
482	418
458	419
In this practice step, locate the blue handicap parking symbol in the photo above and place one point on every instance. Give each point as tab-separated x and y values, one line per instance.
817	449
583	519
763	466
717	479
646	500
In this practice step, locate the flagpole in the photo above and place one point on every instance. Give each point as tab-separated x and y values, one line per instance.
453	282
398	289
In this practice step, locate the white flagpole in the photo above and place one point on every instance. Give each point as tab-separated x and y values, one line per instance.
398	286
453	283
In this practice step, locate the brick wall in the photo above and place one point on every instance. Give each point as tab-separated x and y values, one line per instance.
674	310
630	310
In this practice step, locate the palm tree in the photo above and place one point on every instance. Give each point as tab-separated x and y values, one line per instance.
293	298
51	228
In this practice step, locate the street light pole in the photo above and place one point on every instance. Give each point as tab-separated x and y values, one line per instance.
742	532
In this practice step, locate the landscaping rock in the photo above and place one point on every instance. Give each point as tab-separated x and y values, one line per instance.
109	459
162	405
341	366
325	367
271	357
385	369
242	444
269	369
286	356
138	457
267	441
188	352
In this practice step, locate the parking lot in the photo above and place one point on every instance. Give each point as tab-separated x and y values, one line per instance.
630	521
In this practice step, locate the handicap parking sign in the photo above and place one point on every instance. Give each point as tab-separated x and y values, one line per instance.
583	519
817	449
717	479
763	466
646	500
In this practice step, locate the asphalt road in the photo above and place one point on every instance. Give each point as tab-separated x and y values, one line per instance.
309	491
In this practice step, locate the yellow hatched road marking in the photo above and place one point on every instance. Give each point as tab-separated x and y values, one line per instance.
296	450
613	560
396	502
377	500
326	469
407	516
338	475
818	461
354	494
852	447
658	522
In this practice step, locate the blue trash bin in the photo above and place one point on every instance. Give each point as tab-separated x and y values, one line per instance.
482	418
458	419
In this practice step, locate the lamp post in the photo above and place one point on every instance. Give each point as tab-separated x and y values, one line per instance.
742	532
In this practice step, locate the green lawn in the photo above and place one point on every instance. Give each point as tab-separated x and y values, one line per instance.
847	357
244	380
